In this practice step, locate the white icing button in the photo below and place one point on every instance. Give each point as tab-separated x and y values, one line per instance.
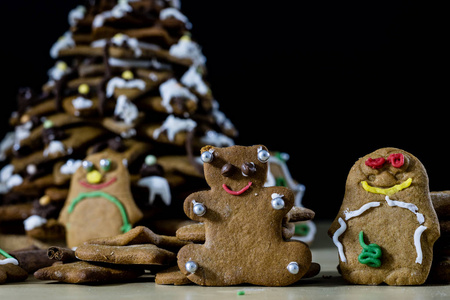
277	203
191	266
207	157
199	208
293	267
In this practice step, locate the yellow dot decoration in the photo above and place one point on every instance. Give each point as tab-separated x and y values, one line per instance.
83	89
127	75
62	66
94	177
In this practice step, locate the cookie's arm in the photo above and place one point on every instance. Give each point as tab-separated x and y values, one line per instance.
278	193
195	205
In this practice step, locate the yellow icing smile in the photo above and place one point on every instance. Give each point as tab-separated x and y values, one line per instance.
388	191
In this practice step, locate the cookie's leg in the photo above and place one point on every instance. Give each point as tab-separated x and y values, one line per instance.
289	263
199	266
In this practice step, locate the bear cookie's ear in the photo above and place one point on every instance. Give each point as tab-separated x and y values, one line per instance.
237	203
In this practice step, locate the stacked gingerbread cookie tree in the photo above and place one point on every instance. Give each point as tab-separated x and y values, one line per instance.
128	77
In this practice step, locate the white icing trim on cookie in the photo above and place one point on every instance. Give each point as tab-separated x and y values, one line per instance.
409	206
336	236
417	244
9	261
355	213
172	125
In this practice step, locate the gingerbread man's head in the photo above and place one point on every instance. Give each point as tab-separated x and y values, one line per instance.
235	169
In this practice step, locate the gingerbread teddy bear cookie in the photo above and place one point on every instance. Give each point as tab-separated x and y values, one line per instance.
243	224
386	226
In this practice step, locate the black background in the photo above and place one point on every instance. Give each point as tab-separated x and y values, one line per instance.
325	81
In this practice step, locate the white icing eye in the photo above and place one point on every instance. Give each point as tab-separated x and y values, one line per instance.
191	266
207	157
105	164
263	155
87	165
293	268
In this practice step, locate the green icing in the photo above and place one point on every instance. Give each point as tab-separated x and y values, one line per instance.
370	254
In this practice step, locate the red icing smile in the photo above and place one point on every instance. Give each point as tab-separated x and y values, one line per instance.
236	193
98	186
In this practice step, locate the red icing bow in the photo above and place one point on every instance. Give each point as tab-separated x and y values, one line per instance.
395	159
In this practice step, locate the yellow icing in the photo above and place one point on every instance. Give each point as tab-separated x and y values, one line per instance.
387	191
61	66
94	177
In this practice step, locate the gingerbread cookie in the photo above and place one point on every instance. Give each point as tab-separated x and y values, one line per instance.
234	252
10	271
82	272
100	202
386	226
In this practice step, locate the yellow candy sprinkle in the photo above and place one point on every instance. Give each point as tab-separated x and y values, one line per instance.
61	66
118	36
186	38
388	191
83	89
94	177
127	75
44	200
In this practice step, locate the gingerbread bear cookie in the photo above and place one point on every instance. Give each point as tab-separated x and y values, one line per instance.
99	203
243	224
386	226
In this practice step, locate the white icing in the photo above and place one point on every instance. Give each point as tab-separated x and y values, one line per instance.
8	180
336	236
64	42
157	185
271	180
128	133
81	103
135	63
70	166
220	117
54	147
311	233
34	221
6	144
126	110
6	172
9	261
276	195
193	79
413	208
186	48
118	82
362	209
172	12
214	138
123	39
21	132
56	73
31	169
76	14
118	11
417	244
172	125
172	88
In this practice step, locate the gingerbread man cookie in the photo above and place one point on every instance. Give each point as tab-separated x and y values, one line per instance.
243	224
386	226
100	203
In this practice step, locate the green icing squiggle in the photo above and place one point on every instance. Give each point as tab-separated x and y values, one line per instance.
370	254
